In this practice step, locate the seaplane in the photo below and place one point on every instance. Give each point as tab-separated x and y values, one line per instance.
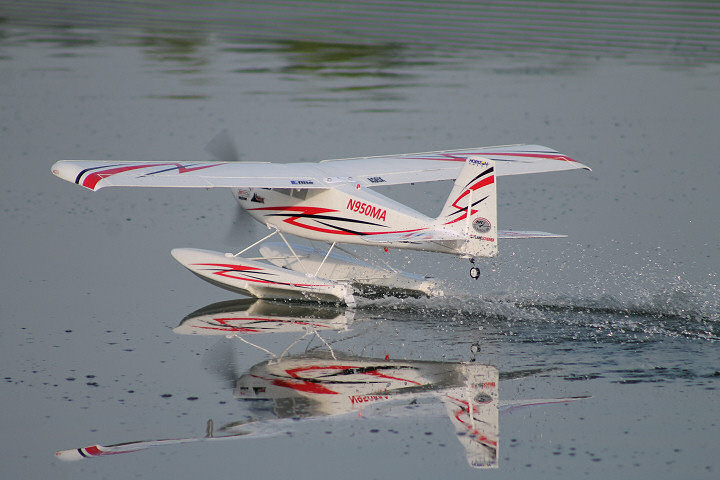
334	202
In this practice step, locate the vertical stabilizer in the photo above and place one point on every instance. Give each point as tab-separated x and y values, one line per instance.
473	411
471	208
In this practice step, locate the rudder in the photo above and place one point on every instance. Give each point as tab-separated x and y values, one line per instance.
475	188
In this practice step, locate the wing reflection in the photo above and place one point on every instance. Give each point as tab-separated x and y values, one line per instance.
329	384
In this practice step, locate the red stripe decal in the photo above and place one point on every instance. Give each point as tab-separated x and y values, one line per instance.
95	177
293	220
229	268
548	156
461	157
482	183
93	451
252	320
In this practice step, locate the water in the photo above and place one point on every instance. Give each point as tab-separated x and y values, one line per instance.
625	309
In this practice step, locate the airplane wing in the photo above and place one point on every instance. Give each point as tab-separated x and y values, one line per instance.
363	171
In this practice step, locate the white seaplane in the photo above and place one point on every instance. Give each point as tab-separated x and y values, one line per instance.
333	201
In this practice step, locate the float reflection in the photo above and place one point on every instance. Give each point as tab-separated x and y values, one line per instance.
260	316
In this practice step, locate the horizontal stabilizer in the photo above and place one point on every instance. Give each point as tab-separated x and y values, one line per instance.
528	234
507	406
415	237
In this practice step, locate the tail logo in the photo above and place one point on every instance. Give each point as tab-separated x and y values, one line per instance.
480	162
481	225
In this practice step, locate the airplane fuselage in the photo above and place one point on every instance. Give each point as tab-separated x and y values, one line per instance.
343	214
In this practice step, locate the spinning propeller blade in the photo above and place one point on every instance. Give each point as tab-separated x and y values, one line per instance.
239	229
222	147
220	360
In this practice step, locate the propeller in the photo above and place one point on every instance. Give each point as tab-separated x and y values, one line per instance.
220	360
222	147
238	231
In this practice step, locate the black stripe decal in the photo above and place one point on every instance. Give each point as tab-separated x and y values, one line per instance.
83	172
324	217
465	209
489	170
342	229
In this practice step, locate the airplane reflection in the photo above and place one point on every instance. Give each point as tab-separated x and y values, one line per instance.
327	384
319	385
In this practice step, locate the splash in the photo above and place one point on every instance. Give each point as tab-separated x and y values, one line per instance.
678	311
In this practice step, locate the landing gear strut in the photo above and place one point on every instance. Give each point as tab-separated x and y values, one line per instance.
474	271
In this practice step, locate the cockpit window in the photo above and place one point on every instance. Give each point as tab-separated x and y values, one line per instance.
300	193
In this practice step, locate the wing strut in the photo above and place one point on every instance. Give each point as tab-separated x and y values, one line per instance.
326	257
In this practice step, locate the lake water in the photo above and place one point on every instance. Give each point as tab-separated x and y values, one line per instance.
625	310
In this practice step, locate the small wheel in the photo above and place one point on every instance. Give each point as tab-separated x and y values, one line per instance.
475	273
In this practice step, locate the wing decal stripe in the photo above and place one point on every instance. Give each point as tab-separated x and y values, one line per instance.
497	156
83	172
92	179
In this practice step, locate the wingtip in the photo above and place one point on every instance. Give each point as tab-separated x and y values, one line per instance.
72	170
66	170
59	169
580	166
577	164
68	455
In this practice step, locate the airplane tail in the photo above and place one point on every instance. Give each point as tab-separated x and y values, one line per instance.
471	208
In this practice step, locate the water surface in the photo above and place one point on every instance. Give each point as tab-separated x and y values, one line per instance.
625	309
